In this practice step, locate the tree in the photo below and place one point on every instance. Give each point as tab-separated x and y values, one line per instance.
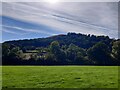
99	54
11	54
75	54
5	53
5	50
55	47
116	51
50	59
72	52
64	47
80	59
58	53
15	53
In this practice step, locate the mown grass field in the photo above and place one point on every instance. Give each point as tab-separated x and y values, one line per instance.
60	77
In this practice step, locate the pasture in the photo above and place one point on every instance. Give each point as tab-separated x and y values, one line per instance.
60	76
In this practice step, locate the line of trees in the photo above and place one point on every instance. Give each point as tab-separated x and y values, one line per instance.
56	54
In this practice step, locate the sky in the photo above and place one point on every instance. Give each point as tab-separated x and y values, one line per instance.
26	20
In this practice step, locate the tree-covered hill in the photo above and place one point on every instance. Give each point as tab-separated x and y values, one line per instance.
81	40
70	49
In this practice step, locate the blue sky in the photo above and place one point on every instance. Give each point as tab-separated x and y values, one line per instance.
24	20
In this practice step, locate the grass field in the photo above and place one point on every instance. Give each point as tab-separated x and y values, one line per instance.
60	76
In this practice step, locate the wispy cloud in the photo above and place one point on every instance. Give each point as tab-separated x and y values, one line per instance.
23	29
11	32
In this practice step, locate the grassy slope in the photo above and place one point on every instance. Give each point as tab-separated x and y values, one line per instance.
60	76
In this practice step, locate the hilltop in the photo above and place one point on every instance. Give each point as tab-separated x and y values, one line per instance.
75	49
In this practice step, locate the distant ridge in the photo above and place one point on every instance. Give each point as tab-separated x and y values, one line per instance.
81	40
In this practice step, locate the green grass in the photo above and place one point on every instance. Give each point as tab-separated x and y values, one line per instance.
60	76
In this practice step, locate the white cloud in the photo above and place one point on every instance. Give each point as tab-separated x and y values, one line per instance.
11	32
23	29
94	18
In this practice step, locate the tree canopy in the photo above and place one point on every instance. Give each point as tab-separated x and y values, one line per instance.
70	49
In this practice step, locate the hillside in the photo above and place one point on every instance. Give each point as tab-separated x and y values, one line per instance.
75	49
81	40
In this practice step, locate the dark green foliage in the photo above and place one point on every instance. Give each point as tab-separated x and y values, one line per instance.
116	51
99	54
50	59
74	53
75	49
80	40
5	50
58	53
55	47
11	54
